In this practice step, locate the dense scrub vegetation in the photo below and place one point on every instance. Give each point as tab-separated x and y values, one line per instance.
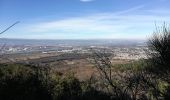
20	82
127	82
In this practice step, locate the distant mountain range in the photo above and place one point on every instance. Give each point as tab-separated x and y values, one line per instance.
69	42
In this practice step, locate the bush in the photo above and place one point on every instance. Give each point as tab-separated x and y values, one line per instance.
20	83
66	88
159	48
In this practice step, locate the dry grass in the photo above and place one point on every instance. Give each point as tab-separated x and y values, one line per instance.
82	68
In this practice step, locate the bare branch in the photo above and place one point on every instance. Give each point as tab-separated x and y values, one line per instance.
9	27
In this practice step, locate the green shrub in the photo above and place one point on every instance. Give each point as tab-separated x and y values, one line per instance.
135	65
91	93
21	83
66	88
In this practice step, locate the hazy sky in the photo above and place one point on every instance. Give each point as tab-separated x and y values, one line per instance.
82	19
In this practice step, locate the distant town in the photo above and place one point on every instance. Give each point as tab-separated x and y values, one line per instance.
120	49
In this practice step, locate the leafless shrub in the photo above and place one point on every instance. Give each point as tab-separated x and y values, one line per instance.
126	85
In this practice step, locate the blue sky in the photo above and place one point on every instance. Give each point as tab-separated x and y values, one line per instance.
83	19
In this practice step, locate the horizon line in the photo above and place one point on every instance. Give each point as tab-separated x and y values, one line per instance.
79	38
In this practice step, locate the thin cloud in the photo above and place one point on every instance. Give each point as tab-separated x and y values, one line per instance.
123	24
102	22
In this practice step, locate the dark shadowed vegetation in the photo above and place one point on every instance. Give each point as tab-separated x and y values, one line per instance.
159	47
20	82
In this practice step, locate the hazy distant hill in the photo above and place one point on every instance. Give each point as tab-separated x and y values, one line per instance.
109	42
